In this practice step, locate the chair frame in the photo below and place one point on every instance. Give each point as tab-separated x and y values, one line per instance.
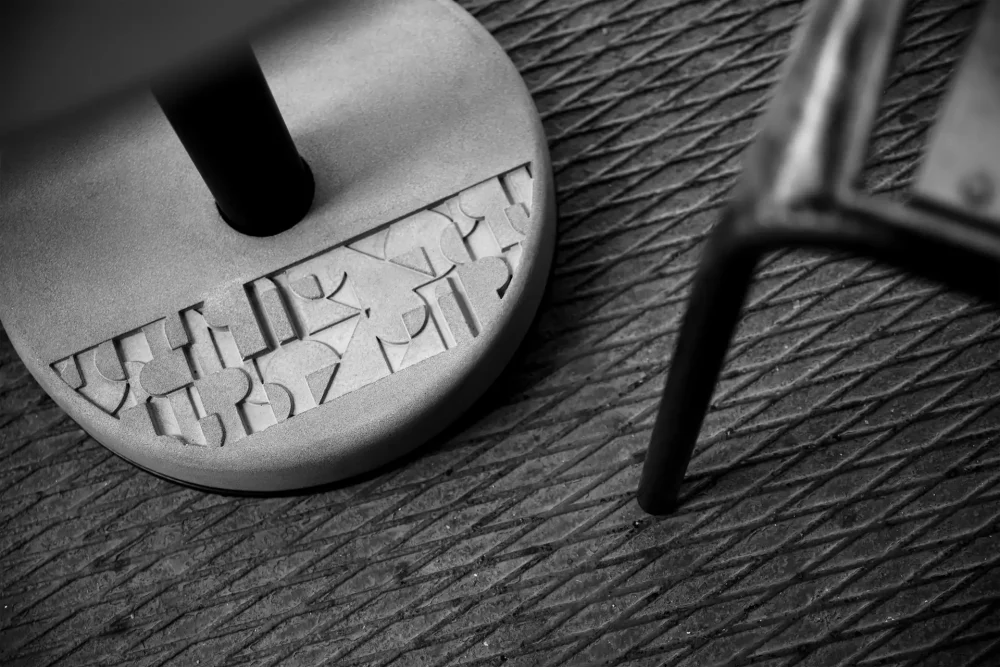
799	188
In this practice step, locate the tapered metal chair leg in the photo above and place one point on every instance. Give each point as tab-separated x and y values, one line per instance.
720	287
808	152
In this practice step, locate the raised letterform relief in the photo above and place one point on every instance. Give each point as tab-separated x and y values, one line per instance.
253	355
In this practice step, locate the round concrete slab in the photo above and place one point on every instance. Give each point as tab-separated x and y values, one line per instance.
266	364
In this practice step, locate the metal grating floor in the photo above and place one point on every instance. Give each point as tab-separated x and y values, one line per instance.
842	509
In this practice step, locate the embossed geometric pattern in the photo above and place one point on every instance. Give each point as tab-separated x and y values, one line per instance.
251	356
842	507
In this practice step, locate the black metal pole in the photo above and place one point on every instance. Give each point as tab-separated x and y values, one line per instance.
228	121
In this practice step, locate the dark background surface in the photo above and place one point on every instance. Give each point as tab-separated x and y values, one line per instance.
842	507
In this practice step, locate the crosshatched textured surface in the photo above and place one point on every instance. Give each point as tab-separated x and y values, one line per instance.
842	507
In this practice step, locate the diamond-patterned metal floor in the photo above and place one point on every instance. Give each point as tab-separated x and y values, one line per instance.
843	507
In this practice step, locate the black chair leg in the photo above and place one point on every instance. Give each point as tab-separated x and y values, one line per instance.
720	286
808	153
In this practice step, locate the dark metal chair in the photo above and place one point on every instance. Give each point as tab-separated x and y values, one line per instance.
800	188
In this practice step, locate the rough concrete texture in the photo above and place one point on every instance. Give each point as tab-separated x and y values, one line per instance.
842	507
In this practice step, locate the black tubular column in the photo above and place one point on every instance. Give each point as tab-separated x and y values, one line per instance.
227	119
